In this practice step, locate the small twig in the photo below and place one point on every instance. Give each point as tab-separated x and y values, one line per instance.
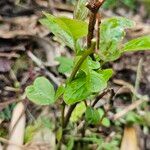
63	113
9	55
85	103
10	143
128	108
94	5
100	96
125	84
138	78
129	86
69	115
6	103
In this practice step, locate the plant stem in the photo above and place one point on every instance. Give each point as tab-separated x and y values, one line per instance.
72	76
91	26
123	112
98	31
72	107
93	6
63	113
83	57
99	97
138	78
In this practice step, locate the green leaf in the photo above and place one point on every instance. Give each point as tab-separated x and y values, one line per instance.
59	134
89	64
41	92
85	85
106	74
70	143
81	10
129	3
106	122
76	91
32	129
96	82
109	3
78	112
101	112
113	144
78	28
141	43
6	113
59	29
92	116
66	64
112	33
133	117
66	29
59	92
93	64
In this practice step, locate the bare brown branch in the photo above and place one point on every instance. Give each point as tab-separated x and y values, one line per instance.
93	6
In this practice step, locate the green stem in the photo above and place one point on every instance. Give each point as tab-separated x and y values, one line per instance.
65	120
81	60
63	113
72	76
71	108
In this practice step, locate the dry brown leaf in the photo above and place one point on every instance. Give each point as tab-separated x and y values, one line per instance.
1	147
130	139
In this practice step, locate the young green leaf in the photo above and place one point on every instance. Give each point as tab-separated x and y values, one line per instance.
70	144
109	3
41	92
59	133
66	29
96	82
133	117
76	91
89	64
141	43
59	29
78	112
85	85
106	122
92	116
106	74
59	92
31	130
129	3
101	112
112	33
78	28
66	64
